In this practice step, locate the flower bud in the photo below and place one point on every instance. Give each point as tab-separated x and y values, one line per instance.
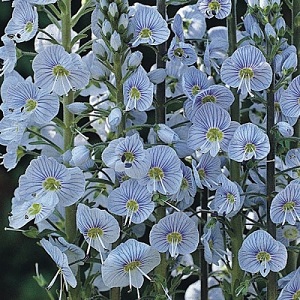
113	12
115	41
285	129
106	29
290	64
280	26
115	117
256	33
123	23
78	108
157	76
270	33
134	60
103	5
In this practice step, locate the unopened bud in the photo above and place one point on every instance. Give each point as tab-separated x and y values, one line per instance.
115	41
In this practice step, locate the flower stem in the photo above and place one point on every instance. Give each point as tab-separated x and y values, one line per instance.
161	269
68	118
236	222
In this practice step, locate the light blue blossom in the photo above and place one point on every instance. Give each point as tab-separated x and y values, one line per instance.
227	200
148	26
175	233
138	91
247	70
64	269
128	155
218	94
260	252
212	129
193	81
98	227
213	242
292	160
285	206
206	171
8	56
132	201
194	25
248	141
49	180
292	290
288	233
23	24
164	175
128	263
289	100
56	70
215	8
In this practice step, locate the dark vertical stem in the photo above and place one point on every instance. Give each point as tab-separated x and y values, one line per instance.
236	235
270	182
203	264
160	117
296	42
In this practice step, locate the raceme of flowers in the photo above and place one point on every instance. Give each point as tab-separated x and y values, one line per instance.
138	163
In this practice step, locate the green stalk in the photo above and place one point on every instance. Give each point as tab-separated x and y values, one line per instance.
236	234
68	118
296	42
115	293
160	117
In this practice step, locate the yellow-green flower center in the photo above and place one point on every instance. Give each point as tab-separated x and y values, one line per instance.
34	209
209	98
179	52
201	173
296	296
230	198
134	93
94	233
156	173
214	5
246	73
195	90
263	256
60	71
145	33
30	105
132	265
29	26
214	134
184	184
289	206
174	237
132	205
249	148
291	233
128	156
51	184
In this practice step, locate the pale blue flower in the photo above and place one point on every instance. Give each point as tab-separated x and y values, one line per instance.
56	70
248	141
23	24
212	129
175	233
218	94
128	263
64	269
138	91
292	290
164	175
213	242
206	171
98	227
227	200
128	155
49	180
193	81
285	206
8	56
260	252
289	101
132	201
247	70
148	26
215	8
193	21
288	233
292	160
